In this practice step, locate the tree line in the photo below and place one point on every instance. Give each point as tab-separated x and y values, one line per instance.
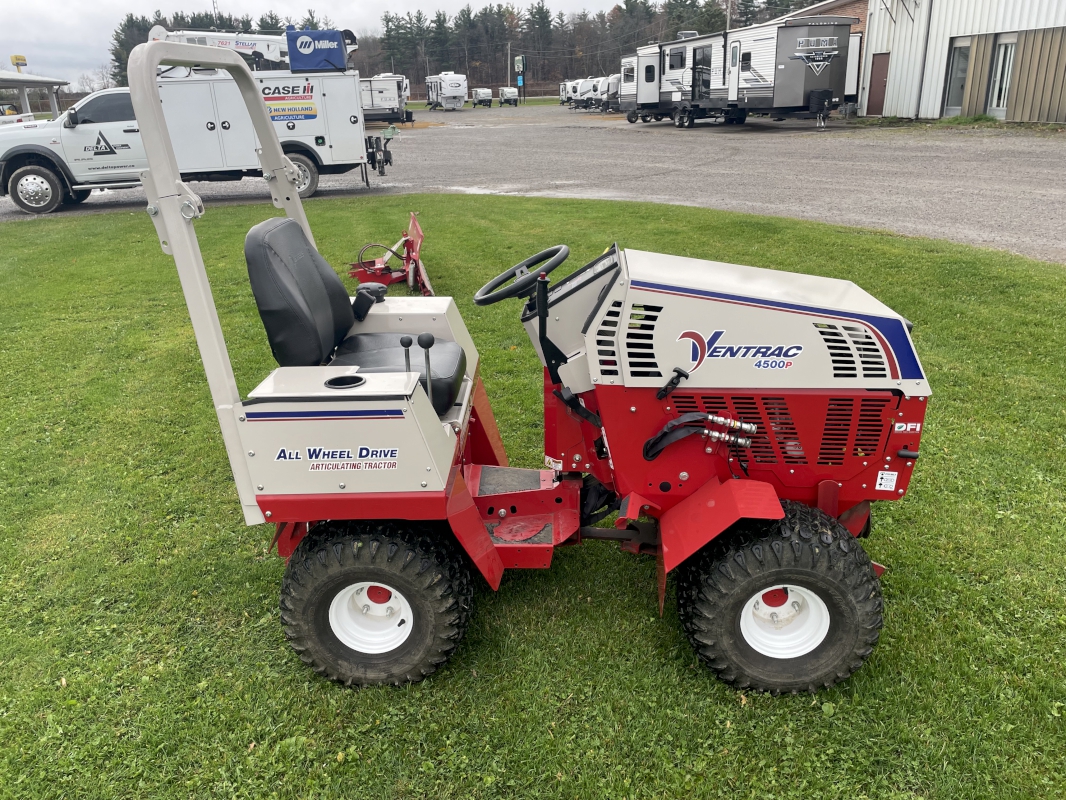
556	46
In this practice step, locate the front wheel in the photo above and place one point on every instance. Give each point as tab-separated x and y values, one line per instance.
369	604
632	117
789	606
36	189
307	174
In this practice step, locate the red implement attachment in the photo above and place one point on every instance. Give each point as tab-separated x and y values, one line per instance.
411	269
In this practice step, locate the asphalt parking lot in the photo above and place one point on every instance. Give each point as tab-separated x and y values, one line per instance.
989	187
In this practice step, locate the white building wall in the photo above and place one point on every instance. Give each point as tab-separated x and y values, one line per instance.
905	39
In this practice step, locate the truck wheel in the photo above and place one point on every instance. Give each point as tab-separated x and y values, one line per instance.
368	604
787	606
76	196
307	179
36	189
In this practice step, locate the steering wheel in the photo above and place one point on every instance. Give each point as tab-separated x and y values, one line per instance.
525	276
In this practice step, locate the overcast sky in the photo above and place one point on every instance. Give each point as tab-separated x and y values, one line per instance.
64	39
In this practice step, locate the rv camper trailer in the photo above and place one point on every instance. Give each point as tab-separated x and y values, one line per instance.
385	98
787	68
563	94
508	96
446	91
481	97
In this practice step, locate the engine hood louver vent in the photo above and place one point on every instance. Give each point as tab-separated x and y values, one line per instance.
853	351
639	342
777	439
607	340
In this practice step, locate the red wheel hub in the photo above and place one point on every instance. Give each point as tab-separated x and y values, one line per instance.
380	595
773	598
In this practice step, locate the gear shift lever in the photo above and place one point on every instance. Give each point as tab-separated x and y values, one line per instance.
405	343
425	341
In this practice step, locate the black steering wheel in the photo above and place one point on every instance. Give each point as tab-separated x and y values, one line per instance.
525	276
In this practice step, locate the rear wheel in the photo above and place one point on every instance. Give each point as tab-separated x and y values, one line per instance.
646	118
36	189
789	606
307	174
375	603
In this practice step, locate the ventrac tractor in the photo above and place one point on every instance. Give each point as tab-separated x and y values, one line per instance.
733	423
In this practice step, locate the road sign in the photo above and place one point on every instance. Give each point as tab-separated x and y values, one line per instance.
520	80
519	63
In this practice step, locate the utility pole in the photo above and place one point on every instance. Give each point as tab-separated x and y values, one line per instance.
508	63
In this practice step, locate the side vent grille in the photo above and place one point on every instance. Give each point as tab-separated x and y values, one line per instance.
871	428
640	350
607	340
837	431
762	449
783	430
853	351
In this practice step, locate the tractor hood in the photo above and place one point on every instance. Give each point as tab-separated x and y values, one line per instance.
715	279
728	326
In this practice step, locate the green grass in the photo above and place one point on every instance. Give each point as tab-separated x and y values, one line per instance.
140	651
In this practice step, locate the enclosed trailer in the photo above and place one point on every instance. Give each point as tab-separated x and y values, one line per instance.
508	96
385	97
446	91
791	68
563	94
583	93
609	100
481	97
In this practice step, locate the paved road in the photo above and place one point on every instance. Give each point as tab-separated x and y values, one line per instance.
992	188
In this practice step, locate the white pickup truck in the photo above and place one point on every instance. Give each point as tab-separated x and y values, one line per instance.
96	144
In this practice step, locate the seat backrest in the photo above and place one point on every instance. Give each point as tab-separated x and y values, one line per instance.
303	304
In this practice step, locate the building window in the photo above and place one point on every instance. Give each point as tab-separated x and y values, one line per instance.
745	62
1002	69
958	68
629	74
677	58
649	73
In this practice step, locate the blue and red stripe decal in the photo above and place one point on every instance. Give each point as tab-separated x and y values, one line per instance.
890	330
325	414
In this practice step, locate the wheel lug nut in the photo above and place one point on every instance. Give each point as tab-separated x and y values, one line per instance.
773	617
796	605
388	611
359	590
366	609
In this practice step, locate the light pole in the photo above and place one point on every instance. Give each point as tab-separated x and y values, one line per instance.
508	63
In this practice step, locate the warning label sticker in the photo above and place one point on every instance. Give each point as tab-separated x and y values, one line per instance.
886	481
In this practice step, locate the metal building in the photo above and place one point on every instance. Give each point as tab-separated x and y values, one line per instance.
937	58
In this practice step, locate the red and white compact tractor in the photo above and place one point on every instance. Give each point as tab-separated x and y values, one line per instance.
735	422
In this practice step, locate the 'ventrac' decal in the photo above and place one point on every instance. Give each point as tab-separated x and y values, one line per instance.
709	347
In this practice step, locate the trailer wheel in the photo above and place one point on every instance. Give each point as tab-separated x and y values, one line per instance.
369	604
36	189
307	174
646	118
679	119
788	606
632	117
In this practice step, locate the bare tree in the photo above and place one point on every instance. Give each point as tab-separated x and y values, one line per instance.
99	78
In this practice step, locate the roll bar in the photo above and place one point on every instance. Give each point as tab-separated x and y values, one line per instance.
173	206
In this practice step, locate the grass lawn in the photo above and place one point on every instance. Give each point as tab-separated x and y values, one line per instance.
140	649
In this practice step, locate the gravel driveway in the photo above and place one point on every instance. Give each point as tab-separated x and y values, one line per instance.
1003	189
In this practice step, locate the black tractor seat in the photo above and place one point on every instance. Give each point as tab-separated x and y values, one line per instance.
382	352
309	319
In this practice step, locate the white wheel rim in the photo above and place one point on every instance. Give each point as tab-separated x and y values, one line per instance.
784	621
34	191
371	617
305	177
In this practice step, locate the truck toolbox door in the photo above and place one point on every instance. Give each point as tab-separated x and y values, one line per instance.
235	127
190	113
106	145
341	107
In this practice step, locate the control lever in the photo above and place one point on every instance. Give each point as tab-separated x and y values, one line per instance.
425	341
405	343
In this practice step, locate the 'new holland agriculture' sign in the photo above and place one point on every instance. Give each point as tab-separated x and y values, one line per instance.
316	51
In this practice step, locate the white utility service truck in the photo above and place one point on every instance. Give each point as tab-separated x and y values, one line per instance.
96	144
446	91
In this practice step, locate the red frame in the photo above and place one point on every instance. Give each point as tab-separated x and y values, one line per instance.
823	448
